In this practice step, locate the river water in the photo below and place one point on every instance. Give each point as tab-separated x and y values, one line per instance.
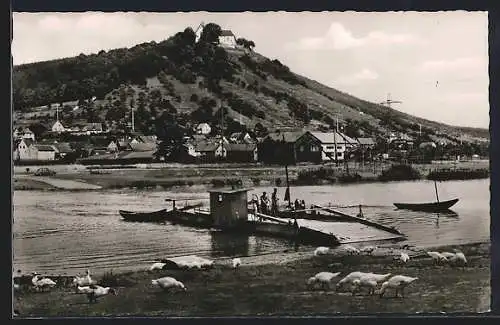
67	232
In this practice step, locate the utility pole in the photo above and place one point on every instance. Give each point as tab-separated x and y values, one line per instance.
57	113
389	101
335	140
132	111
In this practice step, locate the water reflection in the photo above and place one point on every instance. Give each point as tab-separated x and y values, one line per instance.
225	244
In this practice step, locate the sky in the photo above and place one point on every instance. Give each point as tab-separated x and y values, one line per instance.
436	64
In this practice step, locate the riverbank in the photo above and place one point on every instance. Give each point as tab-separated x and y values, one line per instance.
162	176
275	285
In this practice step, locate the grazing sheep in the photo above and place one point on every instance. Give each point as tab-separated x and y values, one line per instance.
458	258
437	257
448	255
96	292
167	283
377	277
84	290
364	281
368	249
42	284
157	266
321	251
404	258
398	283
351	250
348	279
323	278
236	262
83	281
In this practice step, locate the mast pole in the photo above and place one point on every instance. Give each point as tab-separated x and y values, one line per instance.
287	191
437	195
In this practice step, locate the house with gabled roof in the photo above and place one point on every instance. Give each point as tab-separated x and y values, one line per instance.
334	143
46	152
58	127
289	147
241	152
241	137
227	39
92	128
25	149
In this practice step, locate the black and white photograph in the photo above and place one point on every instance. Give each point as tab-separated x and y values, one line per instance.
253	164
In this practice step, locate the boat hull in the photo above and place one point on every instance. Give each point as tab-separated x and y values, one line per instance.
427	207
153	216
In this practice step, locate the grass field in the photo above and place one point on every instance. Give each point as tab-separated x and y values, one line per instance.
277	287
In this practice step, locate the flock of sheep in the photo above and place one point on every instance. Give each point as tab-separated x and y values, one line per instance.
357	280
354	280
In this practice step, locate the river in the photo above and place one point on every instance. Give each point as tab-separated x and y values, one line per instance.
67	232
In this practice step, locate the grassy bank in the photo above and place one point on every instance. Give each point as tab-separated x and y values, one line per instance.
278	288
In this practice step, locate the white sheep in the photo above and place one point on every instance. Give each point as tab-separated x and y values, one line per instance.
368	249
377	277
42	284
404	258
321	251
167	283
364	281
448	255
84	289
157	266
351	250
458	258
83	281
437	257
348	279
398	283
236	262
323	278
98	292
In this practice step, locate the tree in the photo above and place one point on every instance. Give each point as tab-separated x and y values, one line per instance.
249	45
211	33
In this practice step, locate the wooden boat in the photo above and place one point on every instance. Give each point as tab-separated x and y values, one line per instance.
153	216
427	207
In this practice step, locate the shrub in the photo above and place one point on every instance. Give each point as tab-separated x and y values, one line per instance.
399	173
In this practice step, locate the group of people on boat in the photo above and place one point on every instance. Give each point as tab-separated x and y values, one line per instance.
270	206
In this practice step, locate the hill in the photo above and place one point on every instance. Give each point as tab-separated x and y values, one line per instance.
181	82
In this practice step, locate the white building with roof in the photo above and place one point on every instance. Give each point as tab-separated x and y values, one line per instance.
332	142
226	39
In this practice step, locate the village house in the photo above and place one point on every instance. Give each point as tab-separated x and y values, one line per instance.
141	146
366	143
46	152
241	152
25	133
208	151
290	147
58	127
63	149
113	146
203	128
92	128
25	149
241	137
334	142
